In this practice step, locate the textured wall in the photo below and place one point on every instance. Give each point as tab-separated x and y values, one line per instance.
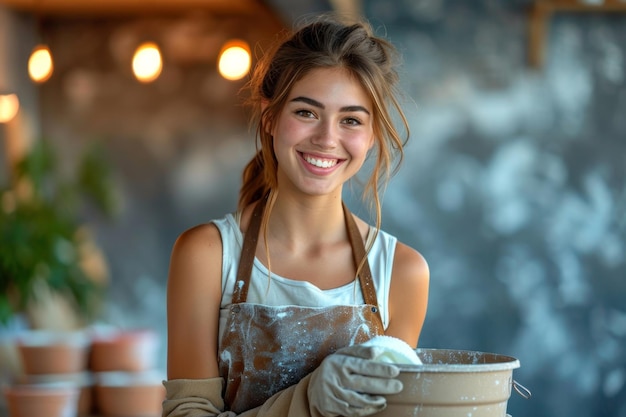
517	189
513	186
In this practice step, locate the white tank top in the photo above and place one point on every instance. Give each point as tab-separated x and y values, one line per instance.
275	290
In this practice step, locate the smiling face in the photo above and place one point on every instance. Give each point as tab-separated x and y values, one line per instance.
323	133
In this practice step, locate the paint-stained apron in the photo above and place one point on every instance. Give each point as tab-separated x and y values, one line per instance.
265	349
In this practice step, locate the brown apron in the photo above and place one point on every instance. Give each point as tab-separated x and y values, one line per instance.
265	349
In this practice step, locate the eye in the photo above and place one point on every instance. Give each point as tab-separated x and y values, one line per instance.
352	121
305	113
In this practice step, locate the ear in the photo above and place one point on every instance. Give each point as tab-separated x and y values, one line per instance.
266	125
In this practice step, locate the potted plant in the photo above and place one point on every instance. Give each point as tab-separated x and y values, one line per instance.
46	250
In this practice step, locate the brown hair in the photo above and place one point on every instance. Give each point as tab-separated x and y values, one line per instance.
326	43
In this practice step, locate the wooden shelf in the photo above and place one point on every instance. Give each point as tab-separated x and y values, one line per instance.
542	10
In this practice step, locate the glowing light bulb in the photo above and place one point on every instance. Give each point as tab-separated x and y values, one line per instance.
147	62
234	60
9	105
40	65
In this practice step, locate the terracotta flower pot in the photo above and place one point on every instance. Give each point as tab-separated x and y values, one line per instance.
83	381
123	350
120	394
42	400
51	352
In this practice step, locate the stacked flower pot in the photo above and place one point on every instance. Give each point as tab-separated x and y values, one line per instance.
126	383
103	372
54	381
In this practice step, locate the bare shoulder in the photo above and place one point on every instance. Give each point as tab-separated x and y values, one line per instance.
197	240
409	264
408	294
196	254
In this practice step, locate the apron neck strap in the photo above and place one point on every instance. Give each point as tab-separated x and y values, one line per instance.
247	254
359	255
248	251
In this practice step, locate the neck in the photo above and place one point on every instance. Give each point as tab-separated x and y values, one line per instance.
307	222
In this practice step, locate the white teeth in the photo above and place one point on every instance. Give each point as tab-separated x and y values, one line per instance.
322	163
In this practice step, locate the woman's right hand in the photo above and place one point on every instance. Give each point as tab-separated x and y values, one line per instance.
350	383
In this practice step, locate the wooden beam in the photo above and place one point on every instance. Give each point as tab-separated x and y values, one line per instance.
538	31
132	7
541	12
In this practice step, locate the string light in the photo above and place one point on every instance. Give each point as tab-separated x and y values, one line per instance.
147	62
40	65
234	60
9	106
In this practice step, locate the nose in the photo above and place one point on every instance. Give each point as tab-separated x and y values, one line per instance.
326	135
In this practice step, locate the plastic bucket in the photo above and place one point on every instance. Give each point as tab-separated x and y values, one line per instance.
453	383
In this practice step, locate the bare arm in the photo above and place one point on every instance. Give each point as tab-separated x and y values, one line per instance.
408	295
193	304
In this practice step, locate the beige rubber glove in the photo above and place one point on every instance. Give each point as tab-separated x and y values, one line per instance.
350	383
194	398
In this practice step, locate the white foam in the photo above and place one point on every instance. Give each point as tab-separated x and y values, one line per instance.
394	350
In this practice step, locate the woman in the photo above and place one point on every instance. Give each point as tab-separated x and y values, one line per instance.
269	307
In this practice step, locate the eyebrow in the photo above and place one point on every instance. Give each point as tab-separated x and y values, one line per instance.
317	104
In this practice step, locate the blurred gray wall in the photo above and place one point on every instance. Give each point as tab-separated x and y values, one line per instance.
512	188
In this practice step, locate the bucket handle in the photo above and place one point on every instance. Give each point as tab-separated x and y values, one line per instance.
521	390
